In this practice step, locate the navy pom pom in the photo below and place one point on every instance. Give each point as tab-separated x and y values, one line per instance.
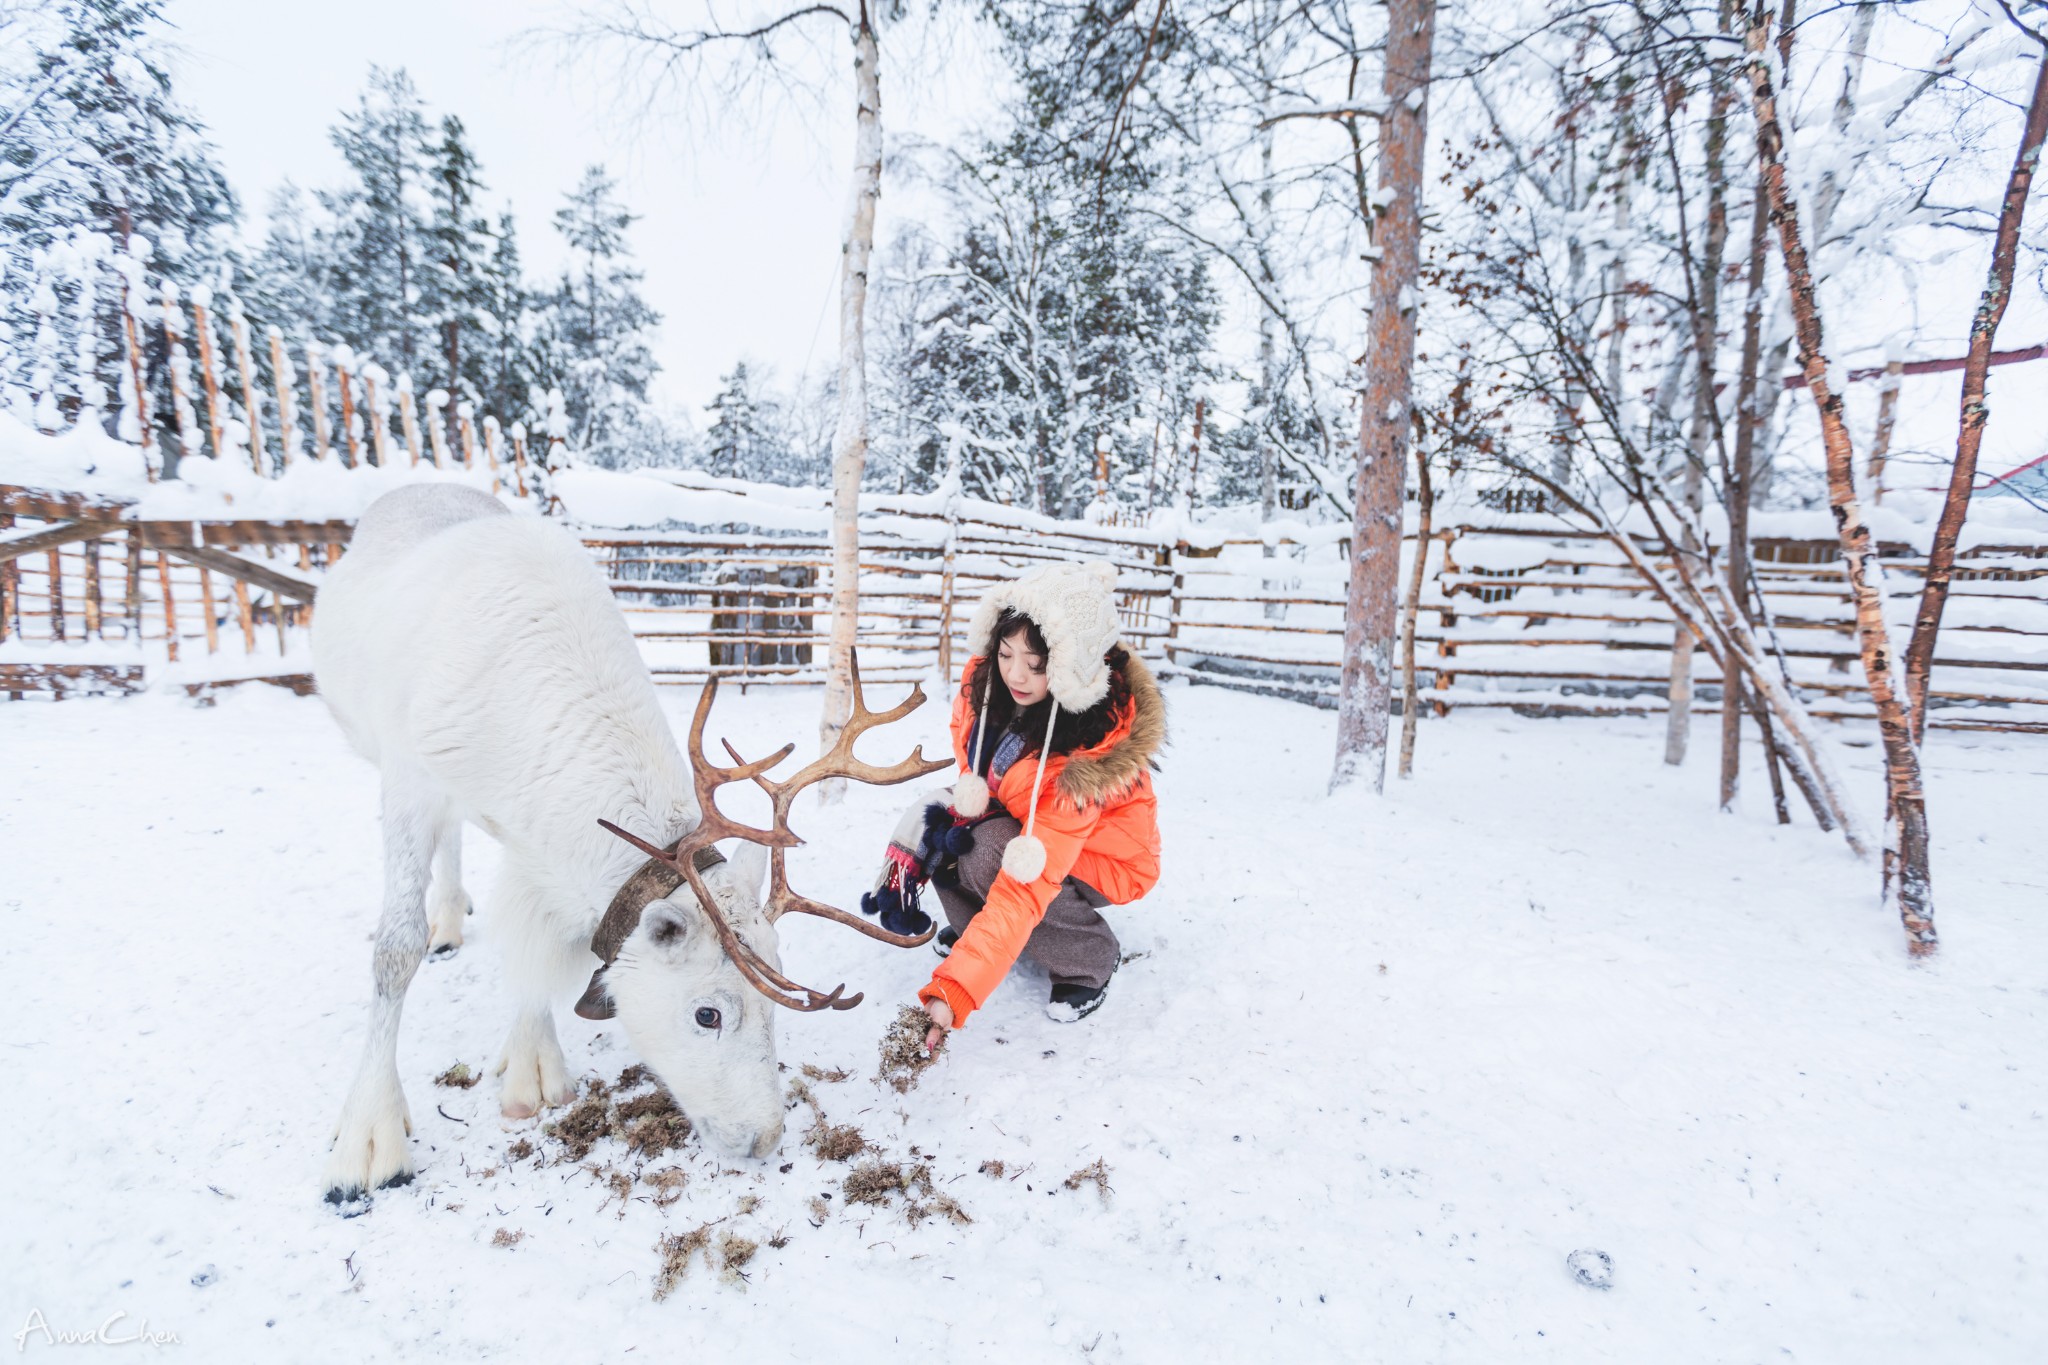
957	840
867	904
946	874
936	816
888	900
904	921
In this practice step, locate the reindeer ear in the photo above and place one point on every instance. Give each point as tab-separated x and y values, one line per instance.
597	1001
748	869
667	924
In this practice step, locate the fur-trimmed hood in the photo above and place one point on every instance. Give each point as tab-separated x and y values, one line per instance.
1109	769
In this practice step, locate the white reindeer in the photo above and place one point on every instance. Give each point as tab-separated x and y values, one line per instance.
479	661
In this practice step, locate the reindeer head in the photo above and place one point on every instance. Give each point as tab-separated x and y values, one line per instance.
689	946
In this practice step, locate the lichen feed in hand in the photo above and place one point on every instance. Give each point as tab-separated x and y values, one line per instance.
903	1056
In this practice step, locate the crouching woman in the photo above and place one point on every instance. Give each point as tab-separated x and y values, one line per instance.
1053	817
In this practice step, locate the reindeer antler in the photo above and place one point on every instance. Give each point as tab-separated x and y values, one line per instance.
838	761
713	825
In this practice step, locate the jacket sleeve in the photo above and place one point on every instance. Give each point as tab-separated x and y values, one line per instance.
996	936
962	719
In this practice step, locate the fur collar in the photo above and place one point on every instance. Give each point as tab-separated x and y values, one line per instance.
1098	775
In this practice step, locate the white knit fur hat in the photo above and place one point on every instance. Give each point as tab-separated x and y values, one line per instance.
1074	607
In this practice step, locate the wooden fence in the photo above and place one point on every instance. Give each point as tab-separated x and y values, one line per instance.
1552	621
1517	612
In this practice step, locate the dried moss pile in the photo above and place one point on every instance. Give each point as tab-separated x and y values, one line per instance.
649	1124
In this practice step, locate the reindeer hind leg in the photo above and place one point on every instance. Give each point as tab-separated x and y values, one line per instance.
447	902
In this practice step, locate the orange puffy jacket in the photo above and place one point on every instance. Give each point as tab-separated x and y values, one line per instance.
1098	819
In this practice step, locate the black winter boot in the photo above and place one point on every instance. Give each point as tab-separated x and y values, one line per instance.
1070	1002
943	944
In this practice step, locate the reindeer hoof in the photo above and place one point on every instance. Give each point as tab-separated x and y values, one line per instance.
536	1074
371	1151
349	1200
441	952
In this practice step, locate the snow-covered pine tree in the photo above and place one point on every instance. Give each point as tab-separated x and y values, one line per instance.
98	143
455	293
381	234
506	365
742	442
1072	312
288	285
597	325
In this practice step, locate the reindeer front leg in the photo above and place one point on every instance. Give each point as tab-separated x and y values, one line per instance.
546	957
370	1149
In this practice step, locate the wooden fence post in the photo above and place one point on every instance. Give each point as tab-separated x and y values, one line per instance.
7	586
212	612
316	390
246	615
134	602
380	434
202	324
1425	506
407	418
163	574
436	400
491	450
519	457
95	620
56	595
131	338
345	381
1174	554
181	401
252	397
281	379
948	585
1446	649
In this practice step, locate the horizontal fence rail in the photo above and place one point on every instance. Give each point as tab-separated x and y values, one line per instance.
1545	620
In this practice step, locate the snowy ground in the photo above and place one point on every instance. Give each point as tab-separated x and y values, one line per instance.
1383	1067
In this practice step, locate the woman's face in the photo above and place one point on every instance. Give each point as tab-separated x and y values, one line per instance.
1023	671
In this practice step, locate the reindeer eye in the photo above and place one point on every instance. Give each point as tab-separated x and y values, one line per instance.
708	1017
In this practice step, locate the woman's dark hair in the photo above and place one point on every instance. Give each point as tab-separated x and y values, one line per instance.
1073	730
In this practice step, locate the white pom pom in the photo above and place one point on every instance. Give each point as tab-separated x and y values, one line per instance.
1024	859
970	796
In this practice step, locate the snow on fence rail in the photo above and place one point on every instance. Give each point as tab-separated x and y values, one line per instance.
1519	610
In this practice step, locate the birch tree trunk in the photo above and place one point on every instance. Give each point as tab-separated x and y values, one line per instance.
1907	879
1705	286
1827	195
1365	698
1678	692
1941	558
850	439
1887	419
1740	464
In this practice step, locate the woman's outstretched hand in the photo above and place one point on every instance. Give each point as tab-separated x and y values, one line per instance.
941	1015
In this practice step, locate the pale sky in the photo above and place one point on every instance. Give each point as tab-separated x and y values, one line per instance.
741	217
742	214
